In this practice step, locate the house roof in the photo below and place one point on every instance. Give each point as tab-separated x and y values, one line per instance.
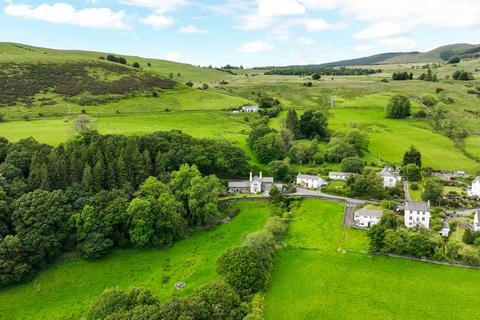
389	172
239	184
308	176
263	179
369	212
417	206
340	173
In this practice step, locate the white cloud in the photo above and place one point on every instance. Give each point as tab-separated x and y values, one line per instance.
161	6
254	21
255	46
398	43
381	30
175	56
362	47
65	13
191	29
267	8
315	25
157	21
305	41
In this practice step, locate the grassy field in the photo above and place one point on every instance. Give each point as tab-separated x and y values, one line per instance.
65	289
199	124
314	278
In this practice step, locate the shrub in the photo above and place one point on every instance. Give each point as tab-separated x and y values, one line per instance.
189	83
398	107
414	186
277	227
352	164
205	86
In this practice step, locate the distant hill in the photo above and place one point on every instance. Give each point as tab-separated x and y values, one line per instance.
18	53
439	54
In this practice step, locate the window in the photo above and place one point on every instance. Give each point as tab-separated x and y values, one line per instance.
423	218
411	217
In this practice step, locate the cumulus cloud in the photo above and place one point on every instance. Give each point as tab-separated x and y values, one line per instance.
175	56
67	14
191	29
279	7
157	21
255	46
381	30
161	6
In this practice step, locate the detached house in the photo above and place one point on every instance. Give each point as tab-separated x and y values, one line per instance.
475	191
310	181
339	175
252	185
390	177
417	214
366	218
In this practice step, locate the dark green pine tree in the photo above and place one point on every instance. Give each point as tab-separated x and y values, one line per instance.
121	173
87	179
99	174
291	122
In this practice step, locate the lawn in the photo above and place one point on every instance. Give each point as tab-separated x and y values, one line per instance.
65	289
315	278
199	124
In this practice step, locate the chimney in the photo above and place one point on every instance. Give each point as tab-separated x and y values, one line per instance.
428	203
260	175
250	176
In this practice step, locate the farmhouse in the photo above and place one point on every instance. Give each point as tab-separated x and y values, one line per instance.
252	185
417	214
339	175
250	109
390	177
476	221
366	218
475	190
310	181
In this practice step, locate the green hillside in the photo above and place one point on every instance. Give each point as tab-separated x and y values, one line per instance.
13	52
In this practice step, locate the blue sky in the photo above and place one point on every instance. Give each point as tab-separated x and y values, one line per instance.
247	32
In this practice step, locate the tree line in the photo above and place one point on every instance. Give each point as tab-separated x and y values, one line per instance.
321	71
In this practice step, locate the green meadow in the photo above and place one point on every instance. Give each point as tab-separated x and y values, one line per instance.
65	289
315	277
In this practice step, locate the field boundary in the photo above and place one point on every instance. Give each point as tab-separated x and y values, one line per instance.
425	260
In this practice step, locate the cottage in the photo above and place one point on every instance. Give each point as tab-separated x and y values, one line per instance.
390	177
366	218
475	190
339	175
310	181
250	109
253	185
476	221
417	214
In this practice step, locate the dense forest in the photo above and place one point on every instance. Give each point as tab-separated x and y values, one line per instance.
322	71
97	192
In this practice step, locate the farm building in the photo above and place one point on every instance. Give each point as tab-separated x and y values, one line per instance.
366	218
249	109
475	190
252	185
310	181
417	214
445	231
390	177
339	175
476	221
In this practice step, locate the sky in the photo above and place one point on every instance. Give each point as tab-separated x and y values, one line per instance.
241	32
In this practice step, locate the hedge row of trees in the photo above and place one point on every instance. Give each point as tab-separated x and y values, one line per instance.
244	271
321	71
402	76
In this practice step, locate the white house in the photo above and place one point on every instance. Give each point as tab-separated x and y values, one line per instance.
310	181
476	221
339	175
250	109
417	214
475	190
253	185
366	218
390	177
445	231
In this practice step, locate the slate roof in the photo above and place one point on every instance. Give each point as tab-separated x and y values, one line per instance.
308	176
340	173
369	213
417	206
239	184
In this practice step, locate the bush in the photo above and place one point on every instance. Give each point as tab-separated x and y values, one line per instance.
189	83
205	86
352	164
414	186
429	101
277	227
454	60
398	107
471	256
136	65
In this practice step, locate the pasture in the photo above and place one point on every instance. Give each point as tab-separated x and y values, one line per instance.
316	278
65	289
